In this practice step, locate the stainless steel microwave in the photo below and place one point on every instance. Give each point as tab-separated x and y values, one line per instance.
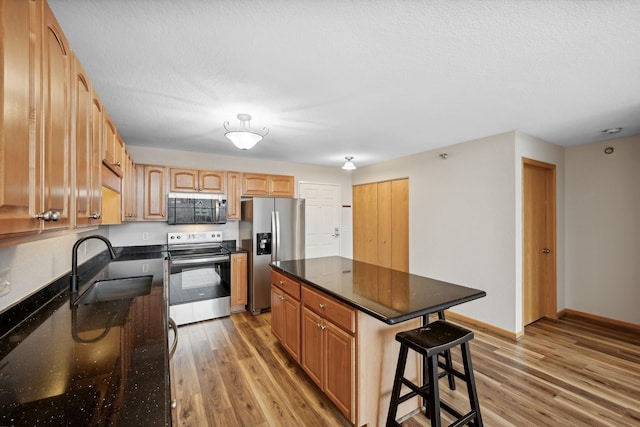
196	208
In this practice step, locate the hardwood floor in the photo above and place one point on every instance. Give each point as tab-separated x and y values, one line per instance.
571	372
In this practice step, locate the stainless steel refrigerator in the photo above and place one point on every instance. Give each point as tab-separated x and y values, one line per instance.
271	229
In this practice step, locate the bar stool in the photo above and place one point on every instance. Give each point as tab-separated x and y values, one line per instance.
446	355
430	341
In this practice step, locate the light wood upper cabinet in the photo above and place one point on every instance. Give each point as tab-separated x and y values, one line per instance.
153	184
54	178
257	184
113	146
205	181
238	279
20	37
87	183
234	193
129	195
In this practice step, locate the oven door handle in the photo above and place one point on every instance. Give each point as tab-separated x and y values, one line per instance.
203	260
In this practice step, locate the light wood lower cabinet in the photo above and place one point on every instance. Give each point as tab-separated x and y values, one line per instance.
285	312
328	350
238	279
350	355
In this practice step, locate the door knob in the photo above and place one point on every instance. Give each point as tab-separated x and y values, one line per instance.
545	250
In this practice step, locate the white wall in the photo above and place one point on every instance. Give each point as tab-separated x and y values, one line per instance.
35	264
462	220
603	229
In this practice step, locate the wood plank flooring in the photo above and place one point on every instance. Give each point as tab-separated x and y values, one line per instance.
571	372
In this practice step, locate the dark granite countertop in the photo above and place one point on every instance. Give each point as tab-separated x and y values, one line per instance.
388	295
104	363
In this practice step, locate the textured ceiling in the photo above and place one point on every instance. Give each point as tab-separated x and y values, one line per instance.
370	79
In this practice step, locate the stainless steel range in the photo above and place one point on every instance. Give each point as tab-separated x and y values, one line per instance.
200	276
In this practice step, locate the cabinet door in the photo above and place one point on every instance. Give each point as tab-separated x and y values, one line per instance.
277	313
281	186
184	180
312	351
234	189
19	40
55	181
292	326
400	225
365	223
339	374
154	193
384	207
238	279
81	129
254	184
211	181
97	136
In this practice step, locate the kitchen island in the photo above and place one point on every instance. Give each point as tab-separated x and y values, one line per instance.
338	319
100	363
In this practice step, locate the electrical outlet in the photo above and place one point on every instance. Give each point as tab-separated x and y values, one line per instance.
5	282
145	235
145	268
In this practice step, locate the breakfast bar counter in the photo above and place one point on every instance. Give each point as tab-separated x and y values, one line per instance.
338	319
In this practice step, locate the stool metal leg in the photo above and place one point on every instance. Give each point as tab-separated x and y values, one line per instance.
434	392
471	383
397	386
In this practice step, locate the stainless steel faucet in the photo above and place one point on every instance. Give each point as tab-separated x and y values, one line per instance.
74	258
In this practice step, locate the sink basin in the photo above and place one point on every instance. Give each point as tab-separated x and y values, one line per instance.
116	289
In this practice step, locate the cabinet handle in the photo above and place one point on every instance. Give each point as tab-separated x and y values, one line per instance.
95	215
321	306
282	298
117	164
281	283
322	327
49	216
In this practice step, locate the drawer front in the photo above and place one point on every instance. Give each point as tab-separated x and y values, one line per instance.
285	283
332	310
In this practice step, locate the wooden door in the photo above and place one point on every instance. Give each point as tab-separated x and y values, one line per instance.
19	117
234	189
211	181
281	185
400	225
384	207
312	352
184	180
322	219
277	313
339	379
238	279
292	326
539	265
365	223
155	193
81	127
97	141
55	179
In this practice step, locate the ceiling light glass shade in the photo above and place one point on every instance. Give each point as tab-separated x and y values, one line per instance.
244	137
348	165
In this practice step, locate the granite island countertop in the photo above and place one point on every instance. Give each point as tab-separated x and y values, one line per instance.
391	296
104	363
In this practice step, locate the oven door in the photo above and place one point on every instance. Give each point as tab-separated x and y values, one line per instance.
199	287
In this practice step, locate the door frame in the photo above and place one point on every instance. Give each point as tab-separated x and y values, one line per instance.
549	287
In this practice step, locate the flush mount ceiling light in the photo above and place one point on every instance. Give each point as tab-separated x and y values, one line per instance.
243	136
348	165
612	131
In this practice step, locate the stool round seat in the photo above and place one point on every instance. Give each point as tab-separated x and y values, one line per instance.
434	338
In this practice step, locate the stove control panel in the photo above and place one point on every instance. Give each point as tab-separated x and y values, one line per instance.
198	237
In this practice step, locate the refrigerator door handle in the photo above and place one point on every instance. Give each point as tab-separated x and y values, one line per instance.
273	236
277	235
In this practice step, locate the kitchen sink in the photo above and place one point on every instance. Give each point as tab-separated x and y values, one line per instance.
116	289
